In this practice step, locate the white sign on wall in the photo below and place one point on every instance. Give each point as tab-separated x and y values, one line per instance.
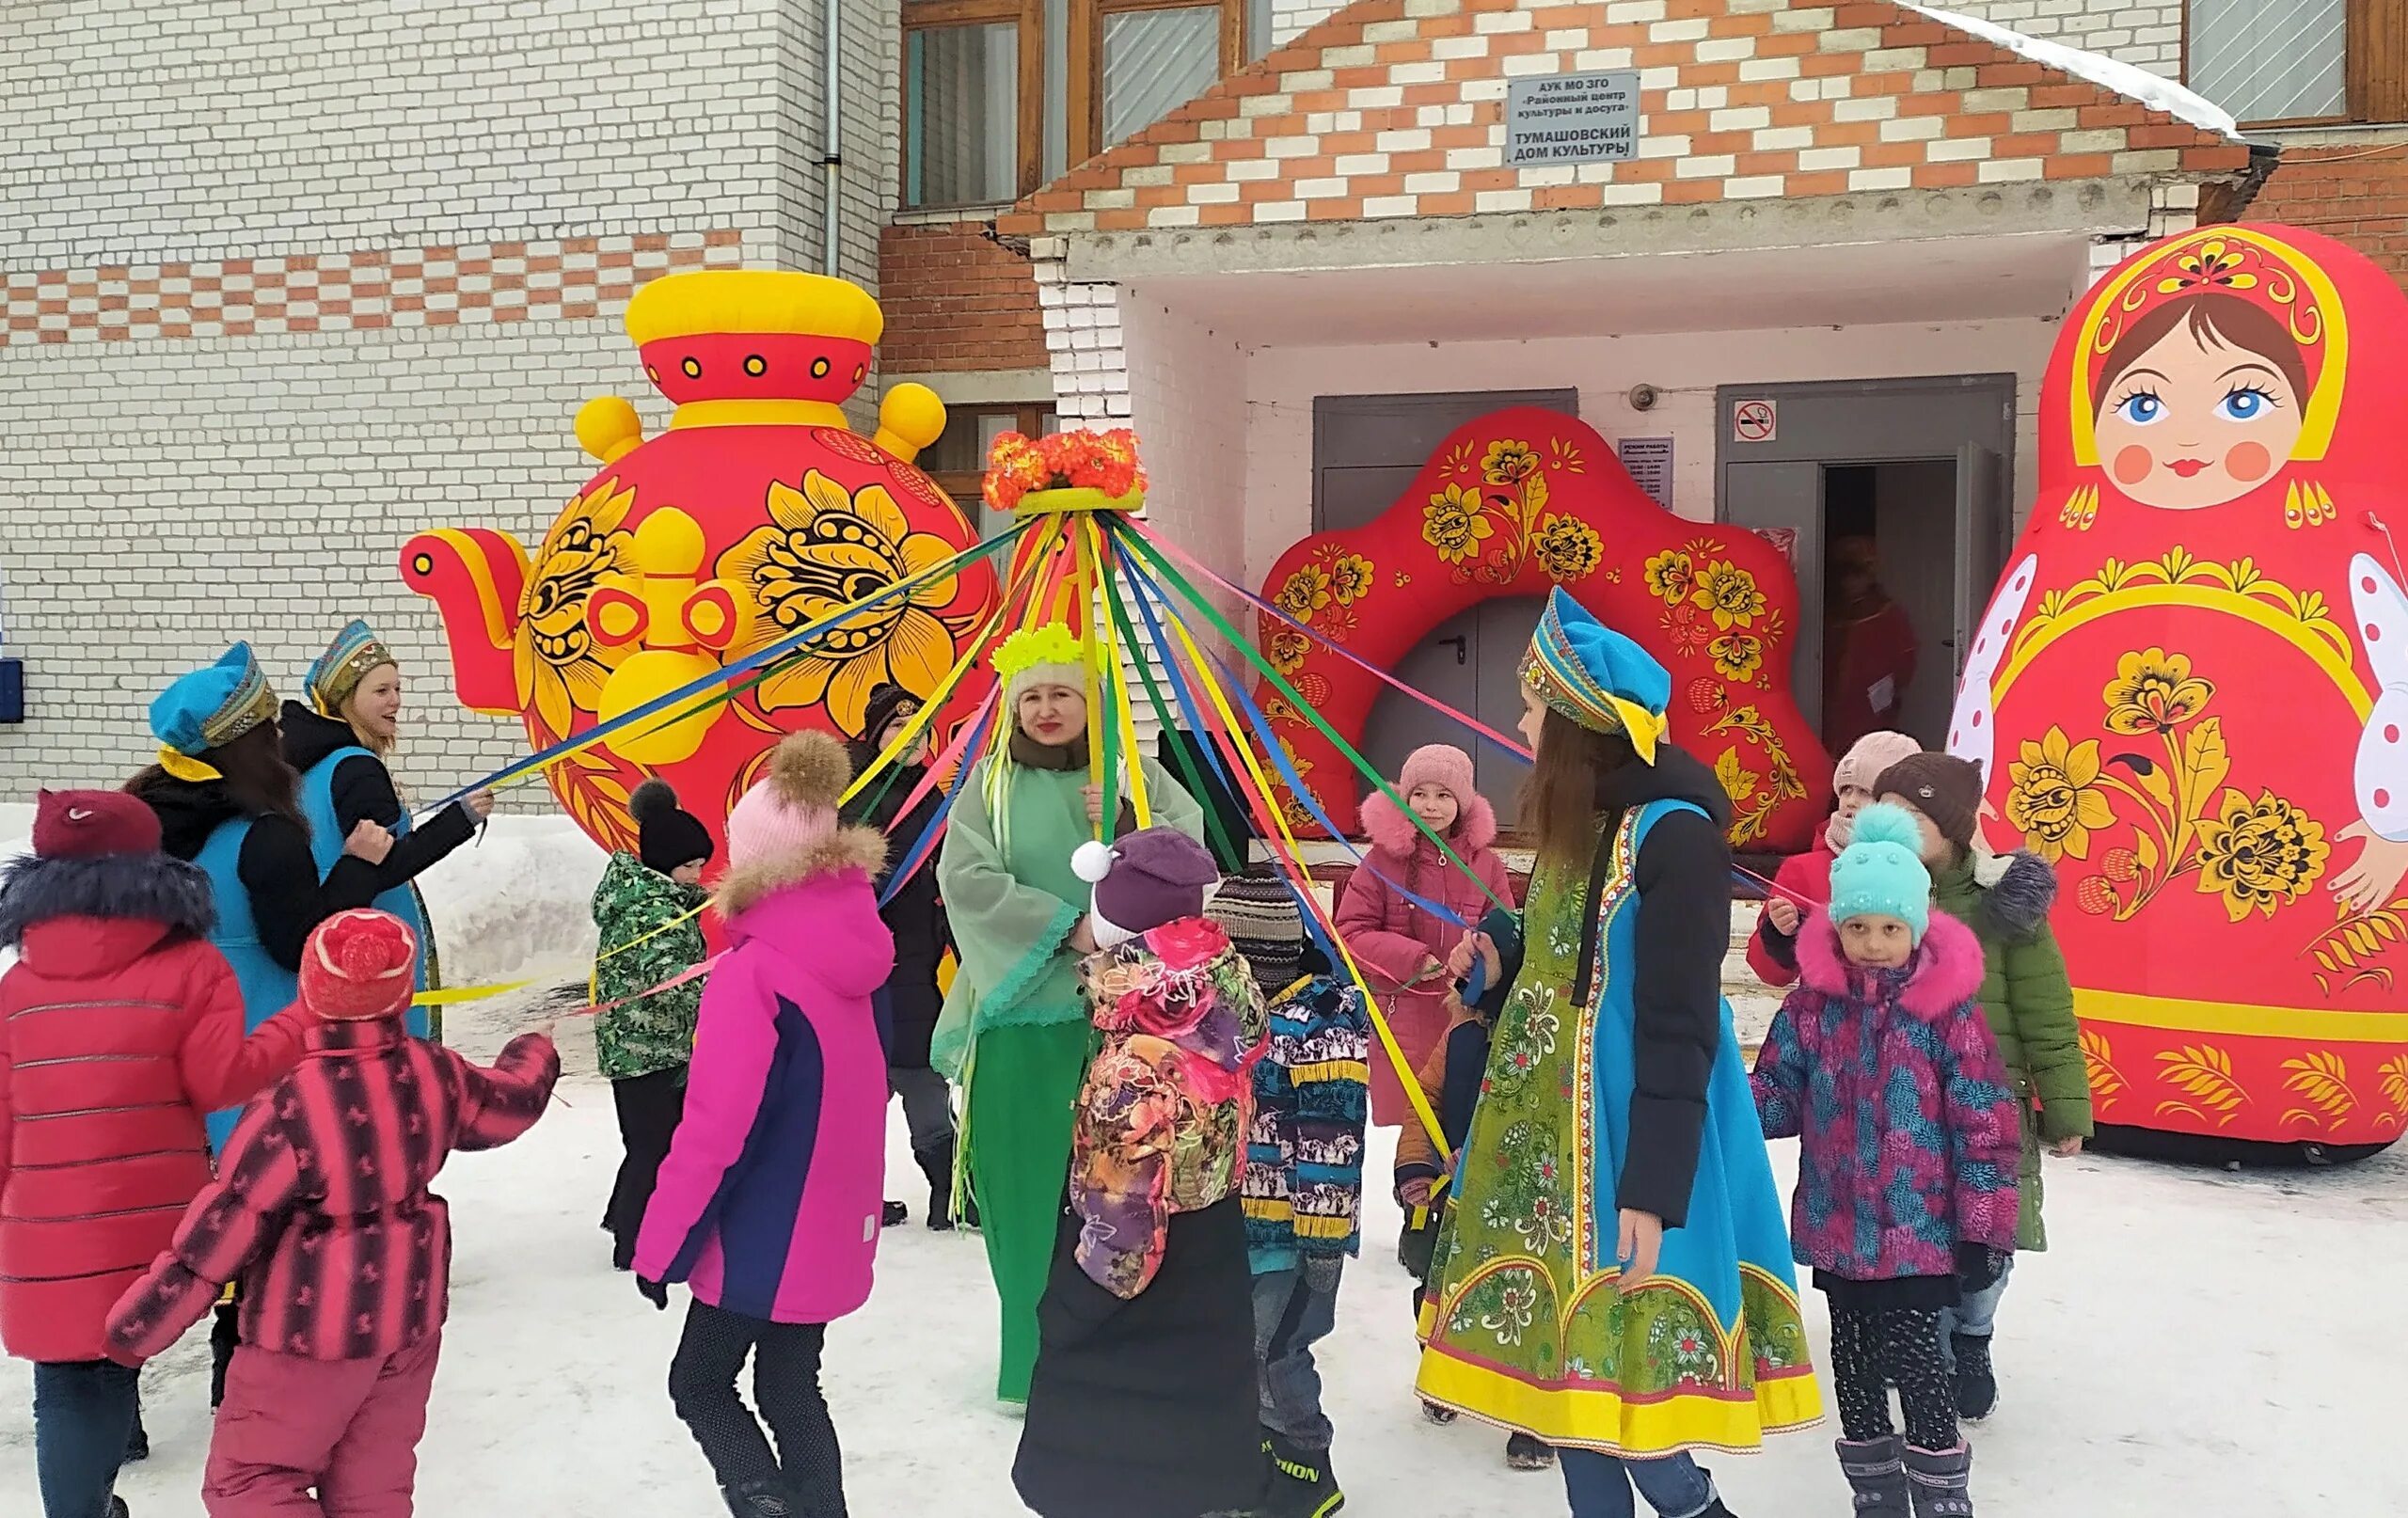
1572	119
1649	463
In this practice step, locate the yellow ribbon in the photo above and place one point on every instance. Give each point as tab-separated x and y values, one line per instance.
454	995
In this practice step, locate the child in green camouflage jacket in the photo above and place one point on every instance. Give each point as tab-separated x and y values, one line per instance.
645	908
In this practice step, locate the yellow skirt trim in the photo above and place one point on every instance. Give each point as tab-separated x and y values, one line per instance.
1596	1418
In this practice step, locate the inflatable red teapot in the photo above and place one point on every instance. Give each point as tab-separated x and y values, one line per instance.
758	514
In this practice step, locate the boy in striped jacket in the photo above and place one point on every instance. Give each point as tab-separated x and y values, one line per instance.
320	1208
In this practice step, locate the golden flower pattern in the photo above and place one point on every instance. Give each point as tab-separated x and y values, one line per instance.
823	551
558	668
2259	855
2054	797
1454	524
1568	548
1672	575
2154	691
1730	595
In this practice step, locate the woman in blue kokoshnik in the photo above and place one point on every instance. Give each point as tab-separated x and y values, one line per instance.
229	802
1614	1275
339	743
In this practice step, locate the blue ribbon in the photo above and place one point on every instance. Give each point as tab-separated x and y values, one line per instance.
923	845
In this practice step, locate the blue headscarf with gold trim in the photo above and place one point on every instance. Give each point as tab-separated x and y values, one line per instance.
1595	676
208	709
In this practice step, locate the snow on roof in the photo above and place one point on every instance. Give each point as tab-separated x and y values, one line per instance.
2106	72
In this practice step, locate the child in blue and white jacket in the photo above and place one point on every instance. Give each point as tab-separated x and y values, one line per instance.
1302	1191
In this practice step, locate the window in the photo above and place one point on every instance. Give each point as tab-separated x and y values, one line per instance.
1001	95
957	460
2300	61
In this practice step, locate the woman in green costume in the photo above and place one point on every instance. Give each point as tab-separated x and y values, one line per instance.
1014	1031
1613	1276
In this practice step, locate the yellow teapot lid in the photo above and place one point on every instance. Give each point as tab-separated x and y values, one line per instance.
708	301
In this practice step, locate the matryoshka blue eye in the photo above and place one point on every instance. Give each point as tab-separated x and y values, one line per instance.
2140	408
2244	404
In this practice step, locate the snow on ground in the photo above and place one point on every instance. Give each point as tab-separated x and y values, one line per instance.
2199	1345
2109	74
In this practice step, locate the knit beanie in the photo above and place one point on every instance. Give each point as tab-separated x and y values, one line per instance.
1946	789
792	809
885	700
666	836
1147	878
1264	924
1442	765
1868	757
1881	872
359	965
89	824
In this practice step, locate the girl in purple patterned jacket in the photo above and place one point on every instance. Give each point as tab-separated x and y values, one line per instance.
1883	1066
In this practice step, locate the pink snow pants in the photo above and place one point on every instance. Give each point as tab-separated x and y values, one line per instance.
348	1429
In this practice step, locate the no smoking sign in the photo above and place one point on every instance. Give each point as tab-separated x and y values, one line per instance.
1754	421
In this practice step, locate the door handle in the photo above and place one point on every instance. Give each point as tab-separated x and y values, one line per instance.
1462	647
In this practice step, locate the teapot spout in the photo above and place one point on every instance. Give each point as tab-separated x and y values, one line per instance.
474	577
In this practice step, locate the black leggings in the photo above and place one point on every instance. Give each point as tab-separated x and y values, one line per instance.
785	1383
1900	1346
650	1108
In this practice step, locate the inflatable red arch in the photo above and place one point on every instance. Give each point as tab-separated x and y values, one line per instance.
1516	503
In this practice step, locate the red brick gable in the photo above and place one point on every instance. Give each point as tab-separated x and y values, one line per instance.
1396	108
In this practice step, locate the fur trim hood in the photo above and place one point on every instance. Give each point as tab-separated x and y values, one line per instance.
848	848
131	887
1945	972
1393	834
2016	892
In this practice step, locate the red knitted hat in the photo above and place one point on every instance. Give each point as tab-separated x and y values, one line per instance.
86	824
359	965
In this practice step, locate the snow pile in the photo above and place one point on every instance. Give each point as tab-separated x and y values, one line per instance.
513	905
2123	78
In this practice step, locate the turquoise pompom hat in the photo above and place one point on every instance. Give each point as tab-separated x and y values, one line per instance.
208	709
1595	676
1881	872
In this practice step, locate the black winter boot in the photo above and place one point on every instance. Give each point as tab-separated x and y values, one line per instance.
1302	1483
1877	1475
936	1163
1976	1383
758	1499
1941	1481
1525	1453
894	1215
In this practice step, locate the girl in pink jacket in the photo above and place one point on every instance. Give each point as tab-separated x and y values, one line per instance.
1402	945
769	1203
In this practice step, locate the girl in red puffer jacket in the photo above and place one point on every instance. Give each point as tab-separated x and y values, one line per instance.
120	1029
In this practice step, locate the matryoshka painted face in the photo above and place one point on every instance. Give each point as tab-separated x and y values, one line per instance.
2205	408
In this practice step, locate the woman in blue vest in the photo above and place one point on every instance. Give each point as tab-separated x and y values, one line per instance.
228	802
339	743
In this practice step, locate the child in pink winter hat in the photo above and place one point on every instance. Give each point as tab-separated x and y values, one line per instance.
768	1207
1401	942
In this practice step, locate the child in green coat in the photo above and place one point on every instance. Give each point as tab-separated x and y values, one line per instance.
646	909
2029	1001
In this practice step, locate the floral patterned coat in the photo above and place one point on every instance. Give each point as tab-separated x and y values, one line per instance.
656	1032
1162	1119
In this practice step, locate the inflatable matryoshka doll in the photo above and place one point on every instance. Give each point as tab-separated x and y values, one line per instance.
2189	689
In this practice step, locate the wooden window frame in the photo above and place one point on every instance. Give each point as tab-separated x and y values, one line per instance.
1029	17
1084	105
968	488
1086	58
2372	29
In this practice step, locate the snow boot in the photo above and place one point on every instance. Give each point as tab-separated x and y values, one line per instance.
1439	1416
894	1215
758	1499
1302	1483
1877	1475
117	1509
1525	1453
936	1163
1976	1383
1941	1481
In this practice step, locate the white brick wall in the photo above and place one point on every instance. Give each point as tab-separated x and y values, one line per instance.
2146	34
147	525
1289	17
162	493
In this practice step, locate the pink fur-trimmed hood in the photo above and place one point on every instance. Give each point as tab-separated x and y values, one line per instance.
1394	833
1945	972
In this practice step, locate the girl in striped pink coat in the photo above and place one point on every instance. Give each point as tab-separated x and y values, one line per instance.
321	1208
